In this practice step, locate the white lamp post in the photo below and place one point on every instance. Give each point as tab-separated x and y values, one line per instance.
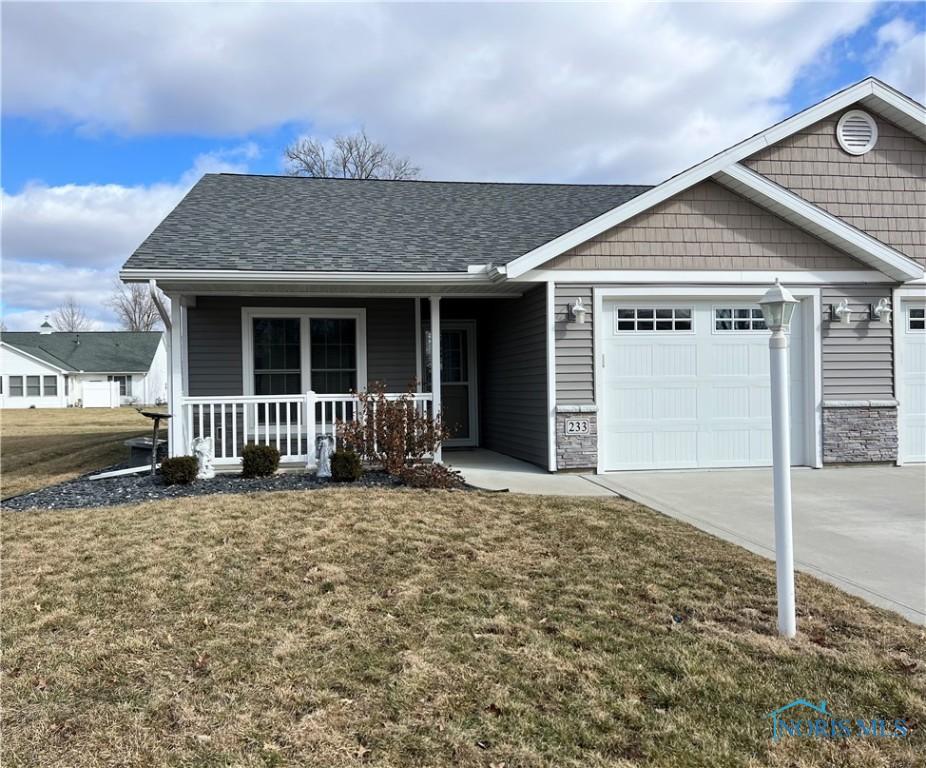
777	307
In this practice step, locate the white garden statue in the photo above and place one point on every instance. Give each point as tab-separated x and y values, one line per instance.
324	444
204	451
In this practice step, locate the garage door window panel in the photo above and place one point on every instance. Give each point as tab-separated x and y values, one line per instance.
916	319
738	319
653	320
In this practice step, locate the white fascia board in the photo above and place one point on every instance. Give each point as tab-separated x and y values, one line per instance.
23	353
270	276
711	166
858	244
702	276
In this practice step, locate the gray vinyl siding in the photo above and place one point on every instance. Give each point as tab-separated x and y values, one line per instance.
214	340
858	361
575	361
513	367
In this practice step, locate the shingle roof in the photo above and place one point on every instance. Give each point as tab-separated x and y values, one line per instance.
98	351
230	221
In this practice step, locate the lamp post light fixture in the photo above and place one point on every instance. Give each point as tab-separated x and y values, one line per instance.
578	311
777	308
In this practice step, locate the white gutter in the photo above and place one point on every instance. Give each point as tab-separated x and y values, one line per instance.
270	276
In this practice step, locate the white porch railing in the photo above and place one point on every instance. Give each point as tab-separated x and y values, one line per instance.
278	420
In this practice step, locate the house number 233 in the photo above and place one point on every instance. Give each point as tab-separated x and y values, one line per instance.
578	426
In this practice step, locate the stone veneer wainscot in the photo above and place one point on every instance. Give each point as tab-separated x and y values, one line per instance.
859	431
576	451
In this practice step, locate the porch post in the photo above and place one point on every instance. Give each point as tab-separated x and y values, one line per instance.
419	384
435	363
177	440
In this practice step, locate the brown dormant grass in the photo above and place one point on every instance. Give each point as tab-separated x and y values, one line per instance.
346	628
43	446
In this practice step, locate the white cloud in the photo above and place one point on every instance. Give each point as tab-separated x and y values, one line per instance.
902	53
622	92
72	239
596	93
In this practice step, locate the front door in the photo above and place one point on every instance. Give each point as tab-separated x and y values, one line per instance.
458	382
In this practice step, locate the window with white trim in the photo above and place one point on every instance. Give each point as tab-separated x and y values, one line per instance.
33	386
289	351
50	386
652	319
916	319
739	319
125	384
16	386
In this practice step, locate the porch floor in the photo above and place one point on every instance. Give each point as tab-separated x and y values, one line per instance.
494	471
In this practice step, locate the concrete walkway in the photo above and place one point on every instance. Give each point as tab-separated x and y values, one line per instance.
860	528
495	472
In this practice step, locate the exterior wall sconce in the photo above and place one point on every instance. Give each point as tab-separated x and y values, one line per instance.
840	313
578	311
881	311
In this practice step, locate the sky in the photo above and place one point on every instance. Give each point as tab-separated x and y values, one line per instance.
109	113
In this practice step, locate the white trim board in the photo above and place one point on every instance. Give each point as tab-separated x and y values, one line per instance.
871	90
305	360
551	375
811	327
703	276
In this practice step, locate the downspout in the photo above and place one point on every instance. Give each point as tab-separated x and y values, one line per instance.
165	315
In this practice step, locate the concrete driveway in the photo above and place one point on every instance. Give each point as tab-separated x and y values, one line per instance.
860	528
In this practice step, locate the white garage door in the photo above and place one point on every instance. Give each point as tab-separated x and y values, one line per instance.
912	384
686	384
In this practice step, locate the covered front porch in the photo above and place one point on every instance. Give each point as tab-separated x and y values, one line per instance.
282	370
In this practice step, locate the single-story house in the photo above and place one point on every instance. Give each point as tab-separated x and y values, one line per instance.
610	327
58	369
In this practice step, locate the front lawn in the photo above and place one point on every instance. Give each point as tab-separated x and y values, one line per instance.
404	628
43	446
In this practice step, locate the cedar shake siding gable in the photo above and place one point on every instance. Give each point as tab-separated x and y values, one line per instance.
882	192
705	227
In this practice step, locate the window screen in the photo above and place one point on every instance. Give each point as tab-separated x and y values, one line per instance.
16	386
277	357
334	355
50	386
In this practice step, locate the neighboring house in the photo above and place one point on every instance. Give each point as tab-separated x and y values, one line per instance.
56	369
609	327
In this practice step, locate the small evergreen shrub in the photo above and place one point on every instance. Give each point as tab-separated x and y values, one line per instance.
431	476
345	466
259	460
180	470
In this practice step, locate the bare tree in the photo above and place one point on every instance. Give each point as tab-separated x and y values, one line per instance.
70	316
353	156
135	307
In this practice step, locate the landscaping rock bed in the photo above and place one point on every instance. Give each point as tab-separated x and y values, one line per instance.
128	489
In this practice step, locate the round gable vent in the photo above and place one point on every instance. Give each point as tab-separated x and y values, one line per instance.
856	132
